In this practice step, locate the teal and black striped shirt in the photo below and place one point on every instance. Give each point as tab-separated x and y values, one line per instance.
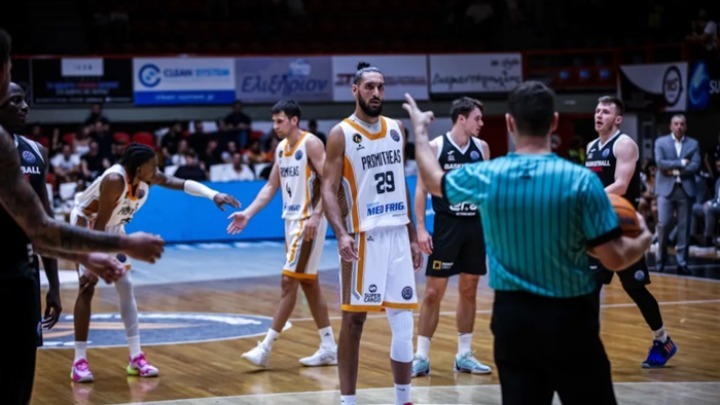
540	214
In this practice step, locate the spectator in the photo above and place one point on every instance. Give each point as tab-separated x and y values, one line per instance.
92	164
707	212
313	128
191	170
237	170
96	115
255	154
66	165
647	205
239	124
703	38
169	142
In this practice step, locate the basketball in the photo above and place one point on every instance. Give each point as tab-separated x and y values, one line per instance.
627	215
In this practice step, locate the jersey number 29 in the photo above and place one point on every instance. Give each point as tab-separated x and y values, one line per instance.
385	182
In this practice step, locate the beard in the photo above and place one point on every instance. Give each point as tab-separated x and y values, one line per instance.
367	109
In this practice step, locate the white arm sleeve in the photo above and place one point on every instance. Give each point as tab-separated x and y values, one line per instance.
192	187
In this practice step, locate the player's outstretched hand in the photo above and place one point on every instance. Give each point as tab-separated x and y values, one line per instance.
221	199
417	117
239	221
105	266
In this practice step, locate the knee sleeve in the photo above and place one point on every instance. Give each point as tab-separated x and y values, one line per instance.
401	325
128	306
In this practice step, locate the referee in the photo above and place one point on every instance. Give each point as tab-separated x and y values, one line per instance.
541	215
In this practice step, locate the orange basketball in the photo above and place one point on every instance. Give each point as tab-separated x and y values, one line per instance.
627	215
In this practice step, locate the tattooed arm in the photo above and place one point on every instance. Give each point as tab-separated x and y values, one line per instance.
20	201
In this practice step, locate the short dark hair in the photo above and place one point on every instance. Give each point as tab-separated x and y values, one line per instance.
5	47
532	106
464	106
362	68
619	105
290	107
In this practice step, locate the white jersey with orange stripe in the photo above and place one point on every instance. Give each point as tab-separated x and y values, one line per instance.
298	180
127	205
373	174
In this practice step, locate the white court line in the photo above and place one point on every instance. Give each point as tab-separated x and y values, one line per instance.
489	311
423	393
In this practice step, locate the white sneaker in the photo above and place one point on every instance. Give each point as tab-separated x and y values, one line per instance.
257	355
324	356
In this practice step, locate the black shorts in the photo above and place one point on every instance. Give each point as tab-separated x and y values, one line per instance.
458	247
637	275
20	299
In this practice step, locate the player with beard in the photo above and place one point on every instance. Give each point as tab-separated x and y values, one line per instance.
613	157
367	204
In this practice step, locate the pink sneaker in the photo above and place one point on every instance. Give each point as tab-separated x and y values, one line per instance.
140	366
80	372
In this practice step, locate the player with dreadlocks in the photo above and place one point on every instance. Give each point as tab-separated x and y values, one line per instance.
108	204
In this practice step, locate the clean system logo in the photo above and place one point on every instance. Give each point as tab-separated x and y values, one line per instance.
159	328
149	75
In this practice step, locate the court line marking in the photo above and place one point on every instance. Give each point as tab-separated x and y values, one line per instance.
424	389
489	311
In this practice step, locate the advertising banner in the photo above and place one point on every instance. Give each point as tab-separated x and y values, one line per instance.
81	81
184	81
654	87
475	73
269	79
704	86
403	74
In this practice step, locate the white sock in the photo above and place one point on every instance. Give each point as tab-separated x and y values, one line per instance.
134	346
660	335
270	338
464	343
348	400
423	346
402	394
80	351
326	337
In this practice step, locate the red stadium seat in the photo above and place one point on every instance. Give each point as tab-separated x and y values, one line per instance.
145	138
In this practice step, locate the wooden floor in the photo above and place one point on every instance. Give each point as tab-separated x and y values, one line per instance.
690	306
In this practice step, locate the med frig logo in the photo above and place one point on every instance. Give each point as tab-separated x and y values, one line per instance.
159	328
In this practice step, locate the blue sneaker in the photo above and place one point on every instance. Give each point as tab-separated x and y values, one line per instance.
660	353
420	366
467	363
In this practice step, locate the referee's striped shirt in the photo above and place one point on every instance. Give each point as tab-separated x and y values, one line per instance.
540	214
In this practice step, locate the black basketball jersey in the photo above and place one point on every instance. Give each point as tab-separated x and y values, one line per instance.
17	246
603	162
450	157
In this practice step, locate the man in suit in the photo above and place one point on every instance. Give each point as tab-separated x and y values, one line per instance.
678	160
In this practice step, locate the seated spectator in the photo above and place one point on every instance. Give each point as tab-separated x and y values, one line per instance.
237	170
92	164
179	158
255	154
703	38
66	165
191	170
707	213
313	128
647	204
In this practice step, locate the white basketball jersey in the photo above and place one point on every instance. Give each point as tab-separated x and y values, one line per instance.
373	174
299	182
127	204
